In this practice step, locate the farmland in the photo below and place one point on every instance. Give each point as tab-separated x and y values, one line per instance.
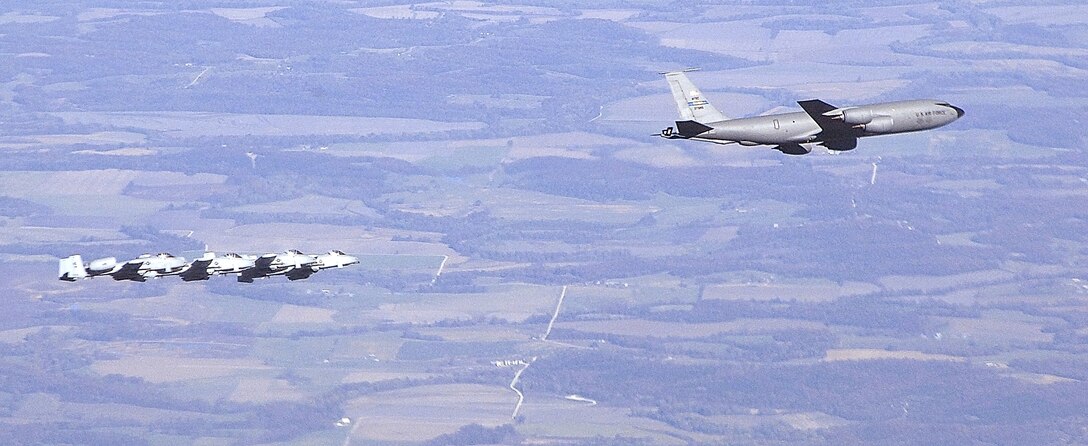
535	267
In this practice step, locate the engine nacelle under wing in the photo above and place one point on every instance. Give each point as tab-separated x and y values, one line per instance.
793	149
880	124
103	265
857	116
841	144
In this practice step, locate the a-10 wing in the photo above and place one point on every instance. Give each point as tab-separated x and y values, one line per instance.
198	270
301	273
264	263
262	267
129	271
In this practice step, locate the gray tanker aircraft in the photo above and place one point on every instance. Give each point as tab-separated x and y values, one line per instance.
836	128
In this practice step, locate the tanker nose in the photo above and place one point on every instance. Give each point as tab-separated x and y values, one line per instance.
959	111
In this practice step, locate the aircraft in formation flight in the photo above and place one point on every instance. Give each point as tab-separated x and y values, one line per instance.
138	269
836	128
293	264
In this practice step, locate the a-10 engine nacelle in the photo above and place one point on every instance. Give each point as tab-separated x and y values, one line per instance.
102	265
880	124
857	116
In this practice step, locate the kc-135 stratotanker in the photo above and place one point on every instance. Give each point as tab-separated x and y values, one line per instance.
836	128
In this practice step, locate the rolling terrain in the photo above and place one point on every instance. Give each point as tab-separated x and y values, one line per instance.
535	267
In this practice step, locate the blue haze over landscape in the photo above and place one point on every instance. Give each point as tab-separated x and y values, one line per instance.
535	266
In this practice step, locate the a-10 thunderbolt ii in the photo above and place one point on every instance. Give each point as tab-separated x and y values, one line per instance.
295	265
836	128
212	265
292	264
139	269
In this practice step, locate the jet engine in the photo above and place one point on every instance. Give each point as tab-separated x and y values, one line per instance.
102	265
857	116
880	124
793	149
841	144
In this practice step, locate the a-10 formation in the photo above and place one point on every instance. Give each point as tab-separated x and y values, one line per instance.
292	264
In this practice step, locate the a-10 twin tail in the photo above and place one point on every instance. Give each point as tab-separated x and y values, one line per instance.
836	128
292	264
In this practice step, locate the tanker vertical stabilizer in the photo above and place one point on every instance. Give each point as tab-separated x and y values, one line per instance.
690	101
